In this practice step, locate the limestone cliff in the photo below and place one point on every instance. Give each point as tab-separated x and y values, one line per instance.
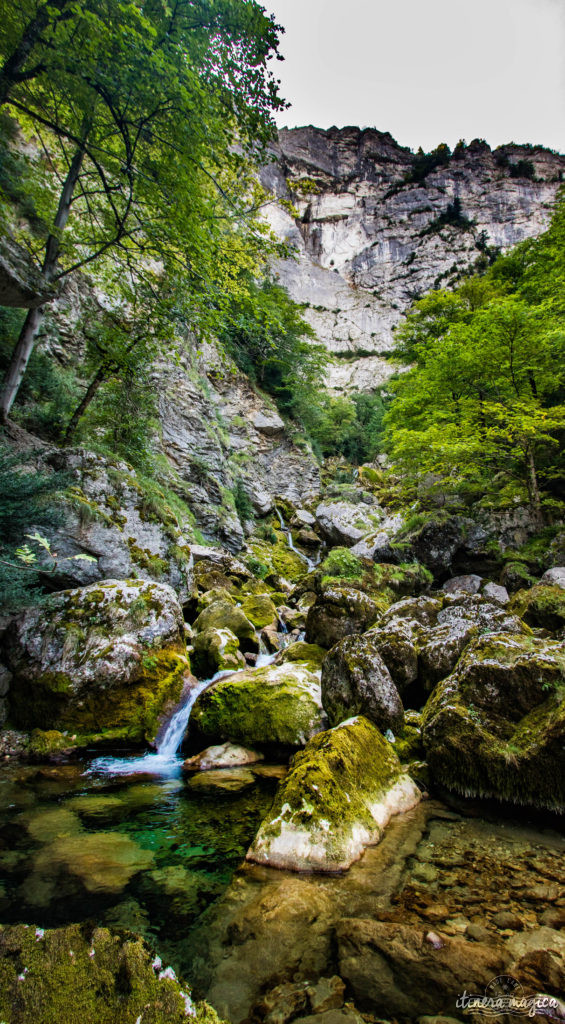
367	234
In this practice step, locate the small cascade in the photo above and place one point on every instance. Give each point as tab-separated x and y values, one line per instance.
287	532
165	761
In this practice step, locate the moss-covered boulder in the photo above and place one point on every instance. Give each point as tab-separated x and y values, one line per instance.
337	798
356	681
108	657
224	615
311	654
496	726
259	609
340	610
215	650
275	706
422	638
79	975
543	606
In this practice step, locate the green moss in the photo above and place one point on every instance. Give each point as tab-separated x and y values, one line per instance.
342	563
78	975
542	606
259	609
146	560
496	727
42	744
277	705
301	651
330	789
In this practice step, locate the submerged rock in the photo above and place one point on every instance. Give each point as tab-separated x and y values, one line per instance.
356	681
279	705
103	862
232	780
110	656
80	973
496	726
398	971
336	799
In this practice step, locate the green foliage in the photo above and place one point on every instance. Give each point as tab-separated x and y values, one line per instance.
351	427
26	501
342	563
425	163
267	336
243	505
483	404
49	390
452	215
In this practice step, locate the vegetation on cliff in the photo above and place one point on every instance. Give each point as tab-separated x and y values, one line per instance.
482	408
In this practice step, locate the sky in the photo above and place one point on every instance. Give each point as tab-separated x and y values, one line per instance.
427	71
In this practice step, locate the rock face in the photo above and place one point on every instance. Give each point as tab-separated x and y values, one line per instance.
356	681
216	430
496	726
368	241
337	799
275	706
110	656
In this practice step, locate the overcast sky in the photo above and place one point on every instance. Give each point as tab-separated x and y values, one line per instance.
427	71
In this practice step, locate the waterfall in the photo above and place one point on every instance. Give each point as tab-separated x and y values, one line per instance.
286	530
165	761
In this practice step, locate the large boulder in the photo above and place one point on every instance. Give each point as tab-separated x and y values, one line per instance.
356	681
275	706
496	726
343	522
111	656
223	614
543	606
340	610
337	798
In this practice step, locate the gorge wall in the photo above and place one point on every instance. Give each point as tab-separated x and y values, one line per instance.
367	237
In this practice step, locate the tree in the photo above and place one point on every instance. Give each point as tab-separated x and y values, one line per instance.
146	118
484	400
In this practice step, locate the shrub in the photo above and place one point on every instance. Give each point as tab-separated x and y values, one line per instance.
343	563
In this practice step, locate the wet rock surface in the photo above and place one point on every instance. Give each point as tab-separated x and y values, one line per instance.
437	873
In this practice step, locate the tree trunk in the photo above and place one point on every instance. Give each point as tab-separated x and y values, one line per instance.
81	408
12	71
533	486
26	341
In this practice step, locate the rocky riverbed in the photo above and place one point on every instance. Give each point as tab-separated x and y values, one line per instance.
367	822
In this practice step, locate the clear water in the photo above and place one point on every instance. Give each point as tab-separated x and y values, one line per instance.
145	852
